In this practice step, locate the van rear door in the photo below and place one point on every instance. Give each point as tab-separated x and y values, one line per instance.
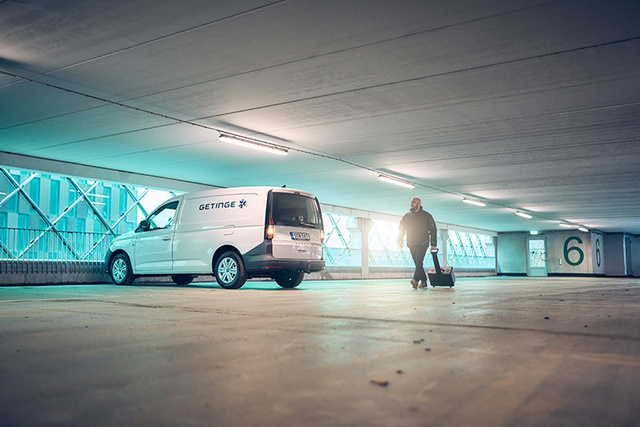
297	226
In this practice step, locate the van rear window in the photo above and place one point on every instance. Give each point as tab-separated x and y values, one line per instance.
296	210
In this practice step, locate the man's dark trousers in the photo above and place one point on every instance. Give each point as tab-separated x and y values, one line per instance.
418	253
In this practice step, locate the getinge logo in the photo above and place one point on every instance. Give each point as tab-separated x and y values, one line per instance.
222	205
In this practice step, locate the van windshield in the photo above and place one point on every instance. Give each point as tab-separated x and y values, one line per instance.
296	210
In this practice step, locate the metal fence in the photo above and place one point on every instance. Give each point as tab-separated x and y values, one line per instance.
51	251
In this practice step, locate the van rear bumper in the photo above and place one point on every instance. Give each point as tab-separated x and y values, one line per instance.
268	265
260	262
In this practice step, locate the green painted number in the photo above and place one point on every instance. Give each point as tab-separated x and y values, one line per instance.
568	250
598	252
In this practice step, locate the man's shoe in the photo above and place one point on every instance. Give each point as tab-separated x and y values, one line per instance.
414	284
423	285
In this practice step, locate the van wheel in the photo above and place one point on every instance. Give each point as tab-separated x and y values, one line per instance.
229	271
289	279
120	270
182	279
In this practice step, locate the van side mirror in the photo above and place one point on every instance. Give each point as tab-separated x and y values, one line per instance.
143	226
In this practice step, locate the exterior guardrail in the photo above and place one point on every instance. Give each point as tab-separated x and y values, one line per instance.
50	251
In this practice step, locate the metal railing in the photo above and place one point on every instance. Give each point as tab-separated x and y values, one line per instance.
51	251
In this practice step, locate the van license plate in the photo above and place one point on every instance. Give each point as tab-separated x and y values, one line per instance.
300	236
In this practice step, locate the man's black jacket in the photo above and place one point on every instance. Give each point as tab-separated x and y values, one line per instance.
420	228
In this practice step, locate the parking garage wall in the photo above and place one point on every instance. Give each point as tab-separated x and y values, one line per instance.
571	253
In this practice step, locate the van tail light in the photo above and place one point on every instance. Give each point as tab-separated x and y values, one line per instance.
269	232
322	234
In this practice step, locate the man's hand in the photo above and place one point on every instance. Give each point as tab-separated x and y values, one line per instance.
434	249
400	243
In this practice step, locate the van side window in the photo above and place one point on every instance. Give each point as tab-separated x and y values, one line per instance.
163	217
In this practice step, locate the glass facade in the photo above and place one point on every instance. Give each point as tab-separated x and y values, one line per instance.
471	251
339	249
383	246
53	217
465	250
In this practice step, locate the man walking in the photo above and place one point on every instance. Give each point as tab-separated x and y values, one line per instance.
421	230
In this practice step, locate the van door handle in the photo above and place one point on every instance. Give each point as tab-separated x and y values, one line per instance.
166	238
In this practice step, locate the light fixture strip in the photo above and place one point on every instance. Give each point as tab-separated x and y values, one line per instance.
524	214
396	181
474	202
250	143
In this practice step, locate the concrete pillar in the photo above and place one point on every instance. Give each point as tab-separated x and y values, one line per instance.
444	237
364	225
634	243
615	255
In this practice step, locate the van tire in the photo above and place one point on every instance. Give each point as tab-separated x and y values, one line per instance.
120	270
229	270
182	279
289	279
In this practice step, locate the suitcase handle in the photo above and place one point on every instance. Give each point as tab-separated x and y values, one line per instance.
436	262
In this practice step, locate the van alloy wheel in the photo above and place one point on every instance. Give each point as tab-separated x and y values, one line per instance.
229	271
120	270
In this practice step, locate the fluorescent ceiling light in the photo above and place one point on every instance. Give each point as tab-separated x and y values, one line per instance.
583	229
396	181
250	143
524	214
474	202
562	224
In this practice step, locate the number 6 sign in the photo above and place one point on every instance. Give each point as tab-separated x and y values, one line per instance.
568	250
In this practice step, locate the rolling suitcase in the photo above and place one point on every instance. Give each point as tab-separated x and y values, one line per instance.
440	276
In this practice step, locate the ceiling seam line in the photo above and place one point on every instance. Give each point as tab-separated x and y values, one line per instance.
96	138
529	161
630	124
157	39
629	140
507	119
335	52
415	33
300	150
576	111
420	78
168	36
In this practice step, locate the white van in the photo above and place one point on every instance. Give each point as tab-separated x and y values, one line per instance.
233	233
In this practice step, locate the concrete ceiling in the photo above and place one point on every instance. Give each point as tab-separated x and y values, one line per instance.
525	104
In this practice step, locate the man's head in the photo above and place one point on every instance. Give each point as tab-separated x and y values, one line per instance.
415	204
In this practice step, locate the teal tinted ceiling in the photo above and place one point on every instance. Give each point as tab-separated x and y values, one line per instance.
529	105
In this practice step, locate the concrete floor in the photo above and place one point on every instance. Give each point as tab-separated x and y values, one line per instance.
489	352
